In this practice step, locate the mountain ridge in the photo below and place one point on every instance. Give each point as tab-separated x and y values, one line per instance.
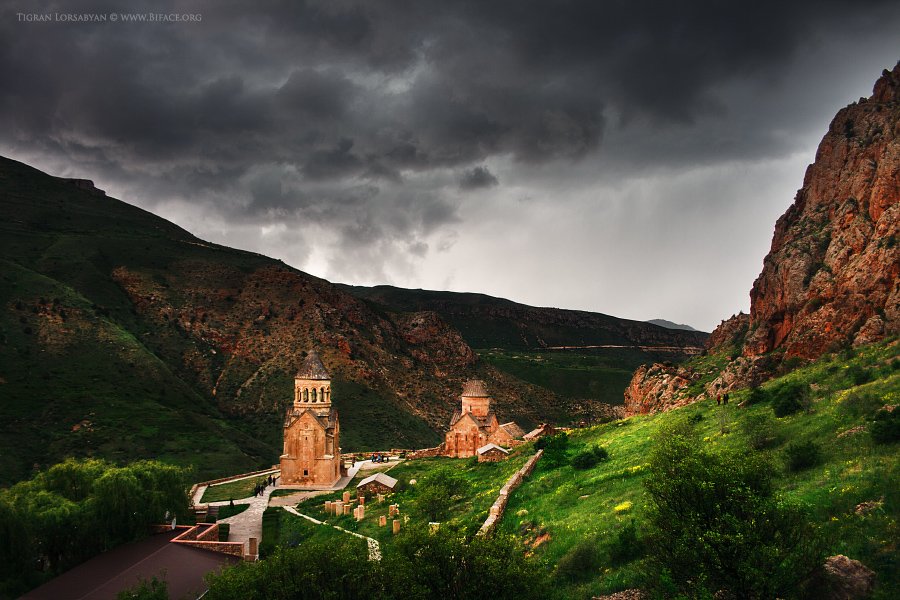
124	336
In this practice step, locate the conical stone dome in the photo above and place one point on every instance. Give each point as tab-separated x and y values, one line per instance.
312	368
474	388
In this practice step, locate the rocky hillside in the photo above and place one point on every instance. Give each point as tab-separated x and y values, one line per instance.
124	336
830	279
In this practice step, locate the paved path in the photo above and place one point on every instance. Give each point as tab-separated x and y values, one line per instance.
247	524
374	547
202	489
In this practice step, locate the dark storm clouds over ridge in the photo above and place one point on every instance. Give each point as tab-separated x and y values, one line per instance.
385	141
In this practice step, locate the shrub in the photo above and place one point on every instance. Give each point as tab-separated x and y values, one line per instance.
790	398
759	430
695	418
589	457
626	546
886	426
859	375
803	455
580	562
716	524
152	589
757	395
554	450
860	403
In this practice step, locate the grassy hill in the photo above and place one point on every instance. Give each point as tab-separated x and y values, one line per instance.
571	506
567	516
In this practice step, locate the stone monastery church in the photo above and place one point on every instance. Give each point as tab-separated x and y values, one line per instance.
475	424
312	452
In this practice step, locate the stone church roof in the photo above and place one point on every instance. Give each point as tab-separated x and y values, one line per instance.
326	421
381	478
474	388
488	447
312	367
482	421
513	430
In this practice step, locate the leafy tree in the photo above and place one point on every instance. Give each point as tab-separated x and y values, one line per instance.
717	525
79	508
555	448
419	565
446	564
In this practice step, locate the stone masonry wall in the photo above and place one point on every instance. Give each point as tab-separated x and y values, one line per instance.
499	505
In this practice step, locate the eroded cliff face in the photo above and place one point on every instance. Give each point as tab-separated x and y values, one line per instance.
830	279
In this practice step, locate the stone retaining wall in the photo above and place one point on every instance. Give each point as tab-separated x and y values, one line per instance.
499	505
427	452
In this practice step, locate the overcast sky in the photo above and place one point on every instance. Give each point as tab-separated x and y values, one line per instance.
623	157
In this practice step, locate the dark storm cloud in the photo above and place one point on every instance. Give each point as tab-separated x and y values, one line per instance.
479	177
357	115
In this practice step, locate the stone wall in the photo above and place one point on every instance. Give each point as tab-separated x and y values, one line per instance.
427	452
499	505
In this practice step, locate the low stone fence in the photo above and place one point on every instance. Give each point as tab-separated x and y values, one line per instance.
427	452
499	505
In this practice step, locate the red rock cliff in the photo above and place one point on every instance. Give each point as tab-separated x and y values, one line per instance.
830	278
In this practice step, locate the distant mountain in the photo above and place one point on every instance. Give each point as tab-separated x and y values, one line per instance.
671	325
488	322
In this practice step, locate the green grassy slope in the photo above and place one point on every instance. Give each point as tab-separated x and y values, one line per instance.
89	368
570	506
75	383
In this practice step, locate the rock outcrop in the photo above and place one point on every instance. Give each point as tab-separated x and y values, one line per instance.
657	388
830	279
846	579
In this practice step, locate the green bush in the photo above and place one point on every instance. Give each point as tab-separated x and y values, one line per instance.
716	525
555	448
860	403
152	589
756	395
759	429
590	457
626	546
859	375
580	562
418	565
790	398
803	455
886	426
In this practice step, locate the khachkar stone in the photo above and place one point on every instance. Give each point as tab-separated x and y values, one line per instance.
312	456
